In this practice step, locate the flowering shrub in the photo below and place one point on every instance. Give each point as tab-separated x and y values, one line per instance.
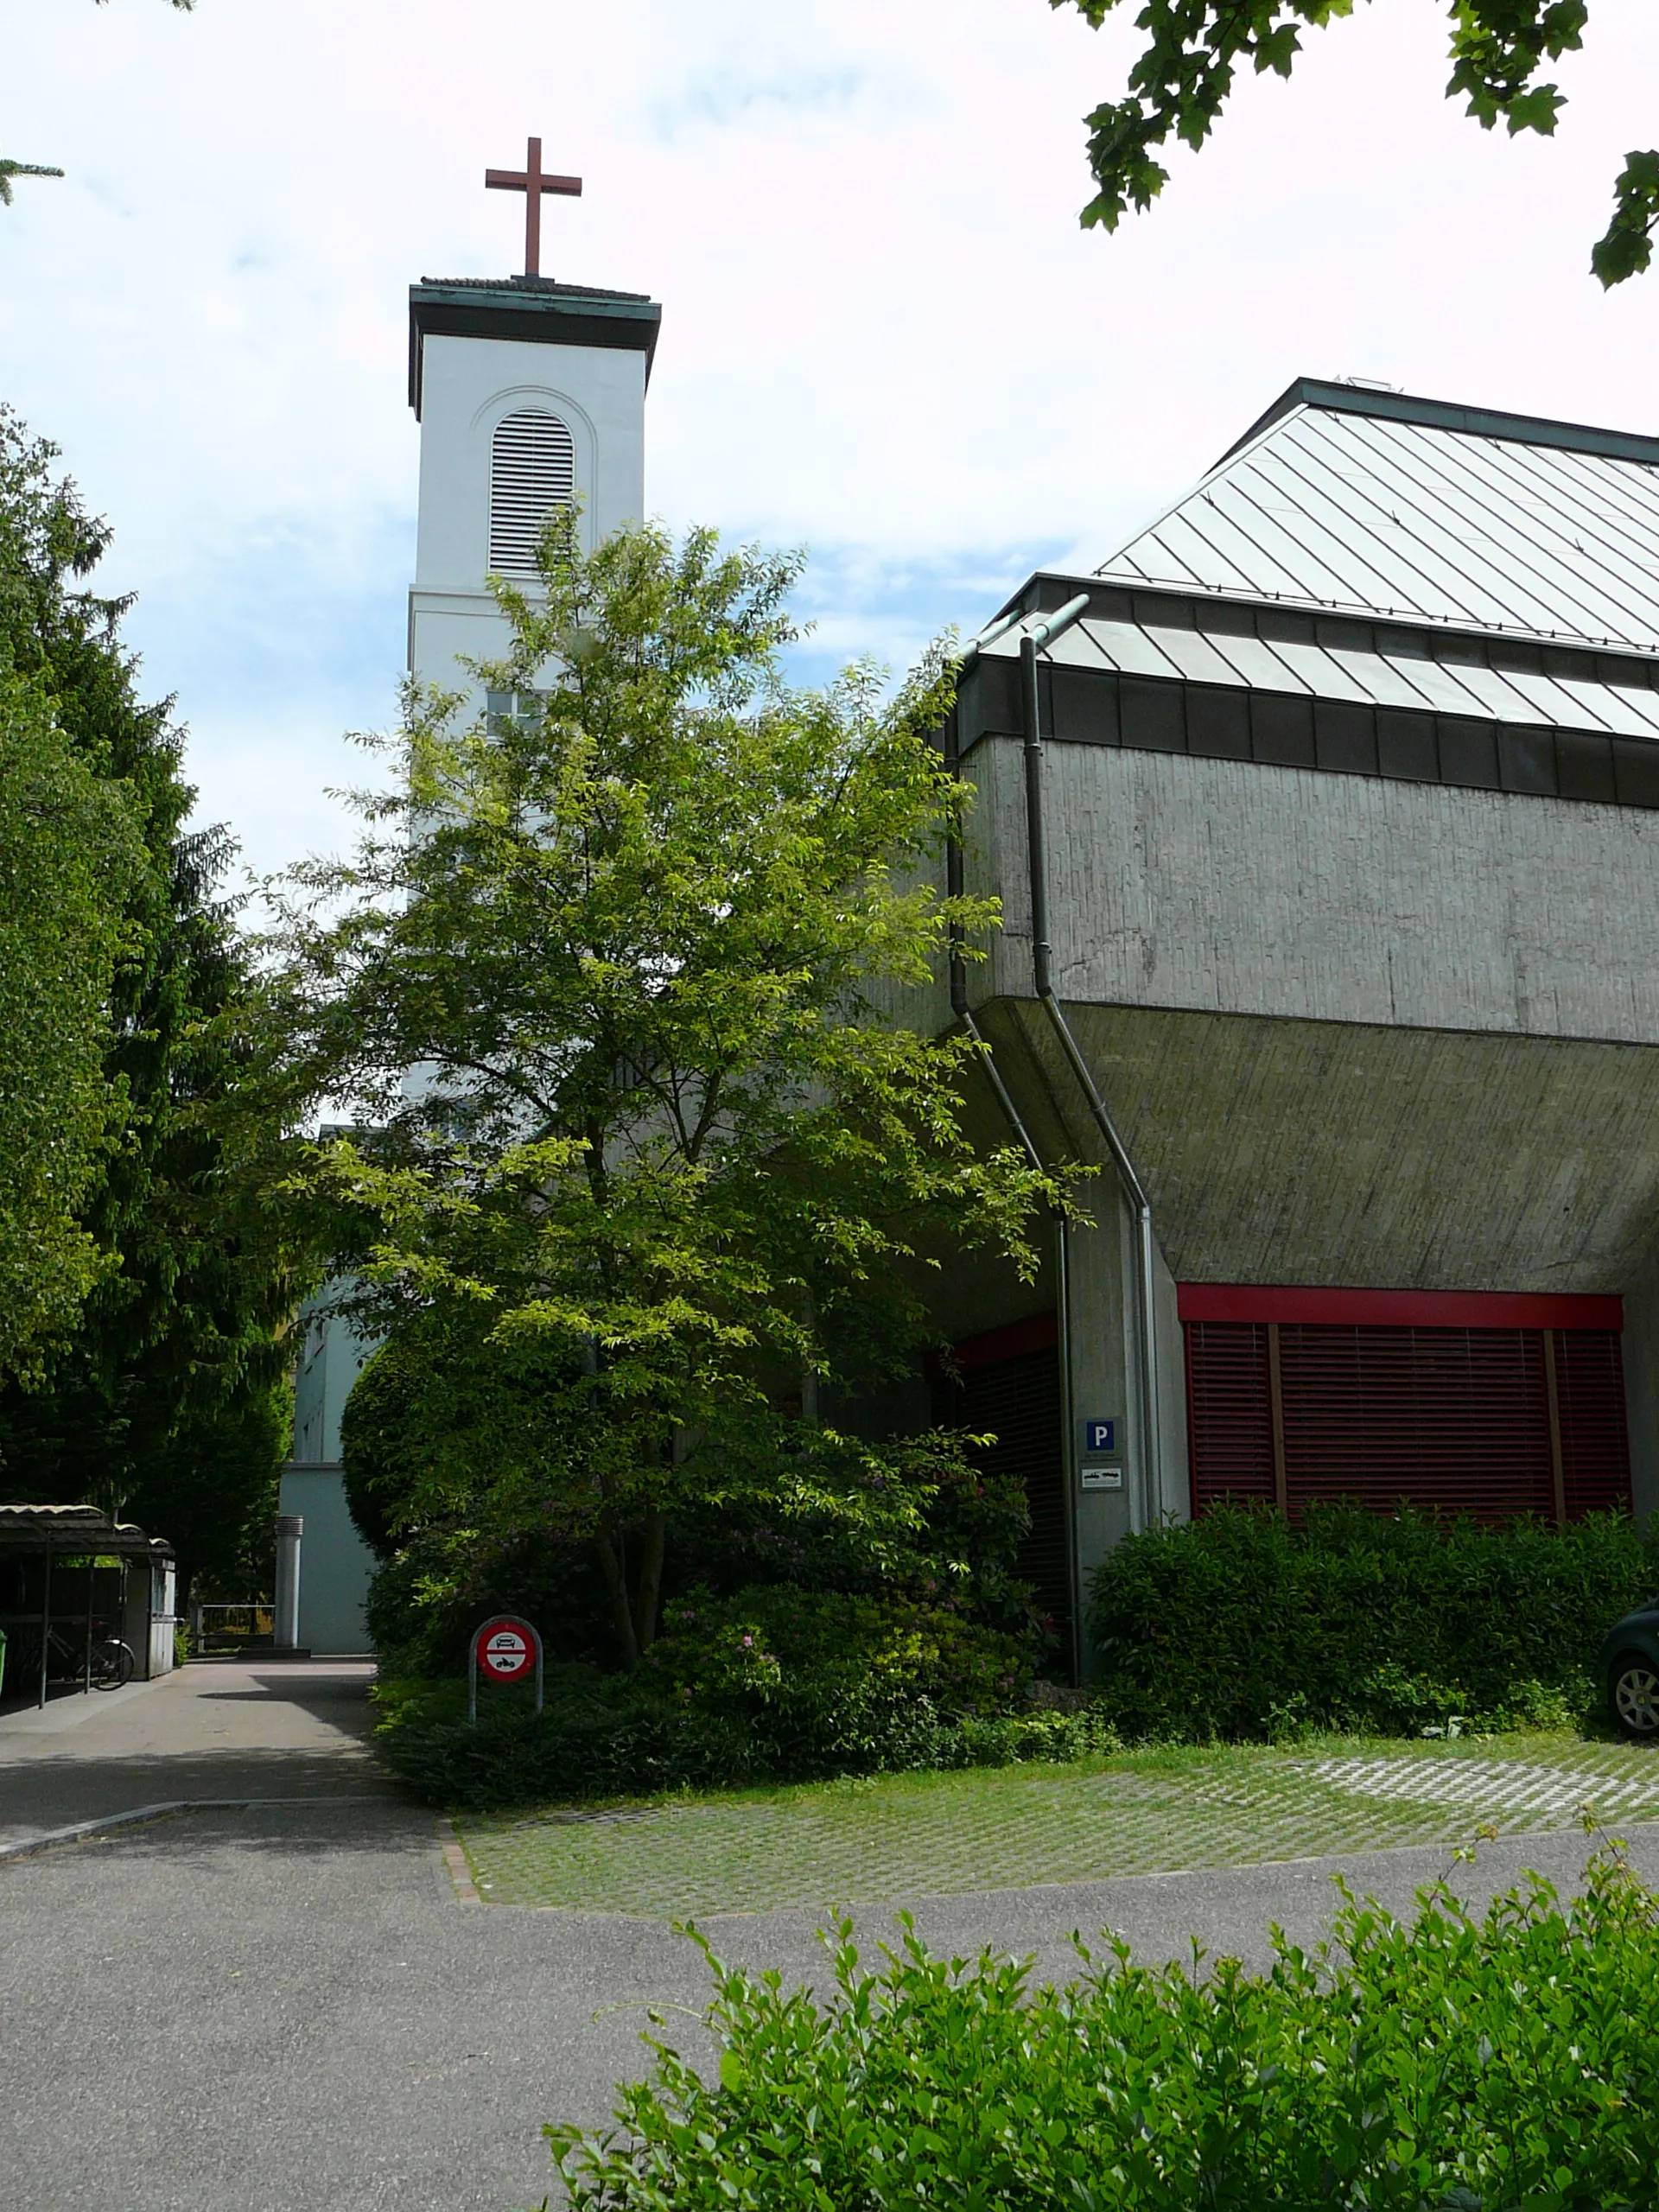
772	1684
826	1680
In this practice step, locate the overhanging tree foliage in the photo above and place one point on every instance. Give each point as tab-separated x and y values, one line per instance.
69	853
9	169
1181	81
155	1398
664	1166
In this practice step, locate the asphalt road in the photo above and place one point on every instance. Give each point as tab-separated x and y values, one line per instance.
290	2010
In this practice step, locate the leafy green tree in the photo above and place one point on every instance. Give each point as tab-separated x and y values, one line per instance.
1180	81
69	851
194	1273
666	1161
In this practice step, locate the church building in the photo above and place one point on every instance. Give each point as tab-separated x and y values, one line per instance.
1325	817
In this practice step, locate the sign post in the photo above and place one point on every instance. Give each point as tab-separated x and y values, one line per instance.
504	1649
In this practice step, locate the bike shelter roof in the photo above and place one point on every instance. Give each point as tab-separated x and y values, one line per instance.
75	1528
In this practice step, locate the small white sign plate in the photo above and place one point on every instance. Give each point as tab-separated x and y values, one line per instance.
1101	1478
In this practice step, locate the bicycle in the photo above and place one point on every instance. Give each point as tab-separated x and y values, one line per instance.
112	1661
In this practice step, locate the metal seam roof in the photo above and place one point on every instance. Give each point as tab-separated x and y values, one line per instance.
1338	501
1397	678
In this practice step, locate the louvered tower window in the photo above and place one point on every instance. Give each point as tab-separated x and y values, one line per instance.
533	471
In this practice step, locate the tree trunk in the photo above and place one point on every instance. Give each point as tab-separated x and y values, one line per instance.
650	1577
612	1559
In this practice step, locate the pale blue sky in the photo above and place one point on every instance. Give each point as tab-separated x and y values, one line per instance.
884	334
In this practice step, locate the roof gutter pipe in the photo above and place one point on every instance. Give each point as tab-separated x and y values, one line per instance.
953	880
1041	635
964	1013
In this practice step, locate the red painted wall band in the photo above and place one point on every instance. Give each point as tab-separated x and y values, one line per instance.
1400	1309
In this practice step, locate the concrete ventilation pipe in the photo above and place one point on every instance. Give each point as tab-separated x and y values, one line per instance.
290	1526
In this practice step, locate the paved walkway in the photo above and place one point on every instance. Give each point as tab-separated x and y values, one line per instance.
288	2010
221	1730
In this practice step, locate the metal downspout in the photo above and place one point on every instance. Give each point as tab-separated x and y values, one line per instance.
964	1013
953	884
1044	633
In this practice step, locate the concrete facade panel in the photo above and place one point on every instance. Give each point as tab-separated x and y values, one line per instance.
1229	887
1332	1154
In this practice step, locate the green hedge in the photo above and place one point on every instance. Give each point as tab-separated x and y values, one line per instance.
775	1684
1447	2063
1238	1627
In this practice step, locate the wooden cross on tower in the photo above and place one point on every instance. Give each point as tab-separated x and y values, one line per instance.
530	181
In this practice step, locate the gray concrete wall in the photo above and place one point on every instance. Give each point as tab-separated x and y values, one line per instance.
335	1564
1353	1031
1173	1501
1333	1154
332	1357
1102	1367
1230	887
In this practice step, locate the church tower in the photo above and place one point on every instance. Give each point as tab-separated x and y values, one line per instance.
530	395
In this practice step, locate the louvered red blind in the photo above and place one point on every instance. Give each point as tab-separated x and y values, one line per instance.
1457	1416
1456	1419
1595	1449
1018	1401
1228	1409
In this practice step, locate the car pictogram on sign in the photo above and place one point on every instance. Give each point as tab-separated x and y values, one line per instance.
505	1650
506	1654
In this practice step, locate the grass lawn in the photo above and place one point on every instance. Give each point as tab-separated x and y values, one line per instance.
1132	1813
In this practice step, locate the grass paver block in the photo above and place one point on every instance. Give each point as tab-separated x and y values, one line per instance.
850	1843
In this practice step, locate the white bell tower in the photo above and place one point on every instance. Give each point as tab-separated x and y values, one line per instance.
530	394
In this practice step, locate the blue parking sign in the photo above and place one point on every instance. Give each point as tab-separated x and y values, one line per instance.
1100	1435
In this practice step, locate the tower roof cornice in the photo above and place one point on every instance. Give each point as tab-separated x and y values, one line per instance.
533	310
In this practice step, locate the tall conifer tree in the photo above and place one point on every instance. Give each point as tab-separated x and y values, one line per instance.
162	1399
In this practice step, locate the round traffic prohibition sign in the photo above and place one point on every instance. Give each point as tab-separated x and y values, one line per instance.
505	1649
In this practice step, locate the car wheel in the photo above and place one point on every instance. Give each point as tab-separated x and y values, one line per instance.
1633	1696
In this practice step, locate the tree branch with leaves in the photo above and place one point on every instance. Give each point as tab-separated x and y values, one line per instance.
9	169
666	1156
1184	72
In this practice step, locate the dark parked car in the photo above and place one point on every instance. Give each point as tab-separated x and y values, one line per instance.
1629	1667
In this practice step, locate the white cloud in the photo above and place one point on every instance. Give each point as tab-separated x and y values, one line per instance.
884	333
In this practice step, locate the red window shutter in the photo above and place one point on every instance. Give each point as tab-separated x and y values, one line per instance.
1229	1413
1595	1448
1456	1419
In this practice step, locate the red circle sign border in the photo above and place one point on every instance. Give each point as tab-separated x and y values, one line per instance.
512	1624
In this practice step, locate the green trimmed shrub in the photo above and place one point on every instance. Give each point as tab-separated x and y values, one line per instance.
1241	1628
775	1684
1449	2065
797	1506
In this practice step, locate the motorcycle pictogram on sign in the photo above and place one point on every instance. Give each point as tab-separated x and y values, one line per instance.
504	1649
